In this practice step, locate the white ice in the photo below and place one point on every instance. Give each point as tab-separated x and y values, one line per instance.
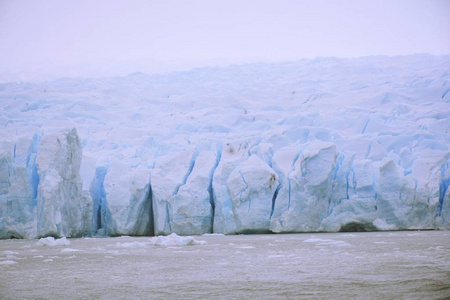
175	240
314	145
51	241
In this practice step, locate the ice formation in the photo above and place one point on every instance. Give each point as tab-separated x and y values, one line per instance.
51	241
174	239
314	145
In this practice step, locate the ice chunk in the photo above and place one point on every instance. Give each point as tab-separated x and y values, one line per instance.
70	250
175	240
131	245
51	241
327	242
8	262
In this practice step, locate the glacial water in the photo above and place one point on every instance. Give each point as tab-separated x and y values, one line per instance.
375	265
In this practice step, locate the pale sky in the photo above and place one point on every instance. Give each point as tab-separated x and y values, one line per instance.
45	39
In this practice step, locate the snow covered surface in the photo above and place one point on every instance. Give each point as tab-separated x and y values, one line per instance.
315	145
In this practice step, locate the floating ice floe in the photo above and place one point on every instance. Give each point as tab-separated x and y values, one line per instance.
51	241
131	245
175	240
8	262
327	242
70	250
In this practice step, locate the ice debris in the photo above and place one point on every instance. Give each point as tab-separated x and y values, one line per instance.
51	241
175	240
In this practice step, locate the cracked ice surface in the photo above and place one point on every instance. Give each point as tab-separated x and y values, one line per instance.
314	145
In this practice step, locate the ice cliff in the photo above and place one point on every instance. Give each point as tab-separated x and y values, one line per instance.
314	145
41	191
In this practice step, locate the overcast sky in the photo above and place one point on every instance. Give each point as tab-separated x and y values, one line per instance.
42	39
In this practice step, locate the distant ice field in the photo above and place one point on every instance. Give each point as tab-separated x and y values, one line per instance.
376	265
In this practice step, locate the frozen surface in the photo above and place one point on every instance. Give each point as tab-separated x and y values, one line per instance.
315	145
369	265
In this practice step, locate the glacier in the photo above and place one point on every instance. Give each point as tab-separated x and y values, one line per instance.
322	144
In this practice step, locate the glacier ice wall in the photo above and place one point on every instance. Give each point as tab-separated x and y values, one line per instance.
315	145
42	193
62	207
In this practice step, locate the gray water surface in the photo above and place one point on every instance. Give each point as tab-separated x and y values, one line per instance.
376	265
